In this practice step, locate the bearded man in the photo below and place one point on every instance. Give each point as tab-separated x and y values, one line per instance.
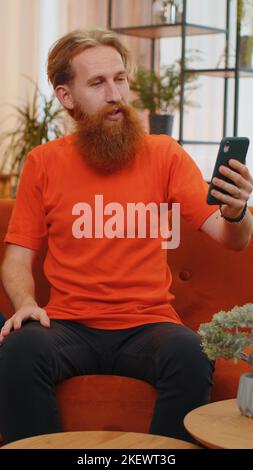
110	303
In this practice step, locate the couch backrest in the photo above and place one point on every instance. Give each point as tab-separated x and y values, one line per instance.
207	277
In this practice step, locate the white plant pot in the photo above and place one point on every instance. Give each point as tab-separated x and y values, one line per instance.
245	394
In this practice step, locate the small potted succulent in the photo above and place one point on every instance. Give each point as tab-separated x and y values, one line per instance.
228	335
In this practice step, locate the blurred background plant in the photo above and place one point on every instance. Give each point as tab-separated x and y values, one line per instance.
160	93
37	121
245	13
245	27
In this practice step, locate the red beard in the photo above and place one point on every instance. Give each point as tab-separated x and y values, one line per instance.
109	145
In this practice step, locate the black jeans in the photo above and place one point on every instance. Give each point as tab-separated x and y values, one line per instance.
34	359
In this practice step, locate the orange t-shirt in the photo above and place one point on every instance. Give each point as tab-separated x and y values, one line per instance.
104	282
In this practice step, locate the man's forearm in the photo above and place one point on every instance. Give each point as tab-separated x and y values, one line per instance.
18	283
236	235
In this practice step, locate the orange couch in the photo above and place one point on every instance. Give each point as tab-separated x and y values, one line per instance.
207	278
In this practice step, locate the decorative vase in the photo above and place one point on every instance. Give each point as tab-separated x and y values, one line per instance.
165	11
245	394
157	9
179	12
169	12
160	123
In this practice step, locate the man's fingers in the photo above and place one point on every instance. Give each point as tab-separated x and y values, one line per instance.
242	169
5	331
17	323
44	320
6	328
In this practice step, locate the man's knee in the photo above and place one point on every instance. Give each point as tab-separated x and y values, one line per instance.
182	352
21	350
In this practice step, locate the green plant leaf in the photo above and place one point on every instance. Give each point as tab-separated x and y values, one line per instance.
161	93
37	122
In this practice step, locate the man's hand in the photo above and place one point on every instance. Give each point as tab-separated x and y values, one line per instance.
239	191
29	311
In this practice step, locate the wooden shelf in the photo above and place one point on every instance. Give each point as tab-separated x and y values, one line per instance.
222	73
199	142
158	31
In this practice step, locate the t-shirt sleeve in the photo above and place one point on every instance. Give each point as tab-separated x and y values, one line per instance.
187	186
27	226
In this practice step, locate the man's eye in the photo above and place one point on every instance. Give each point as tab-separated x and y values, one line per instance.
120	79
96	83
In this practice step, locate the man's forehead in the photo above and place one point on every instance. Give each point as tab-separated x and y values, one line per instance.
98	60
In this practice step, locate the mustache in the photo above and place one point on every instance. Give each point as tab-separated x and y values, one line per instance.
105	110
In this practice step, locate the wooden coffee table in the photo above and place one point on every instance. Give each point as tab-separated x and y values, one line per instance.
220	425
99	440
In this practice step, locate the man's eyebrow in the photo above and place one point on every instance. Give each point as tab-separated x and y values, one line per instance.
101	77
121	72
94	78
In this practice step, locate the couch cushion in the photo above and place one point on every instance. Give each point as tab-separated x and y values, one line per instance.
99	402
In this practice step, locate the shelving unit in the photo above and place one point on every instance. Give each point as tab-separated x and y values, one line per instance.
222	73
182	30
159	31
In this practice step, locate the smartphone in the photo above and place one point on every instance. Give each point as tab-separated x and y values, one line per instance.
230	147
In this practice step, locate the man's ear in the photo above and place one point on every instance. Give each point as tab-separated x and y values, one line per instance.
64	95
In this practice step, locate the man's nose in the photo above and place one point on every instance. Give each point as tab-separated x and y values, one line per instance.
112	93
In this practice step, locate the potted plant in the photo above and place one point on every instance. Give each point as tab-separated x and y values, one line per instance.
245	27
161	94
228	335
37	122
